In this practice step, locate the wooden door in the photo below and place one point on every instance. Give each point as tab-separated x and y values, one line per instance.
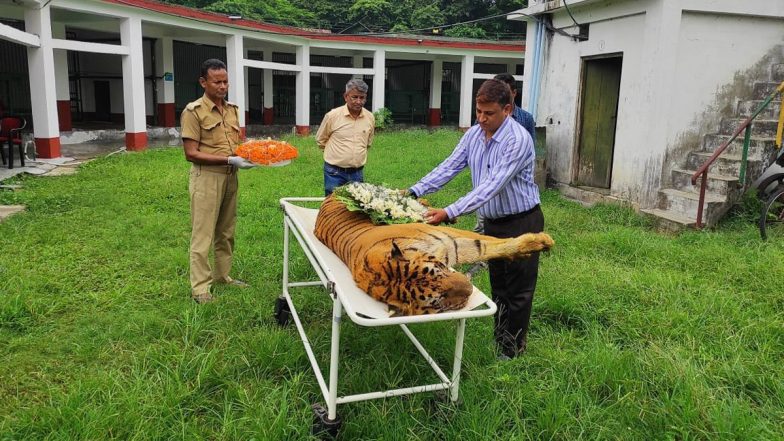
598	114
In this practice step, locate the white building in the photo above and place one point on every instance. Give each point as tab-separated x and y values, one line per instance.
629	91
119	60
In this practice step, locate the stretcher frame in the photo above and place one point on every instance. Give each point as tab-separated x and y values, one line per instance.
361	309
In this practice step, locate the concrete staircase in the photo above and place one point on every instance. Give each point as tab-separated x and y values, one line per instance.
677	206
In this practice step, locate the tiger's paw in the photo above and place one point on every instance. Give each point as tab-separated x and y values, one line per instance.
536	242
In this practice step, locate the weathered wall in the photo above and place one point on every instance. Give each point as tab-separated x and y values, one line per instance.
718	63
561	82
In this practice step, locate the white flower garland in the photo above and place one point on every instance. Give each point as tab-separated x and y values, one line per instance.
383	205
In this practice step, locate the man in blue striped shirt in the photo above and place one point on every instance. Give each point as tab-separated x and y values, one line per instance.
522	117
500	155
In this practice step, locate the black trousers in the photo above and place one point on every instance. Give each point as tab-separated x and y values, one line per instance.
513	281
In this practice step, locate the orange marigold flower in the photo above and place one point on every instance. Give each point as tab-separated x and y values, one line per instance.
266	151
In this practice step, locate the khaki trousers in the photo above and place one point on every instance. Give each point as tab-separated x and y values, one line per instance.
213	191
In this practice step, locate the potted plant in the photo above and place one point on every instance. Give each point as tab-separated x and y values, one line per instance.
383	118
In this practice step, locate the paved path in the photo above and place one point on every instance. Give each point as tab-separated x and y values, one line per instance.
8	210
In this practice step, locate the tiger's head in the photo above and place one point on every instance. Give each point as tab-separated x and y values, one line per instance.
419	283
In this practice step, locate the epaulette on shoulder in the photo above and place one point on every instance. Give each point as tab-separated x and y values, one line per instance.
232	104
192	105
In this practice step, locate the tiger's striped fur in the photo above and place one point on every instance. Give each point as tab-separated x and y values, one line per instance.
408	266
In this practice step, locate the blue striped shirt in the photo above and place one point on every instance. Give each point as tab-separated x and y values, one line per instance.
502	172
526	120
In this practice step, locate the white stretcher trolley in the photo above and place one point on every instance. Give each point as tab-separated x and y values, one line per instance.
362	309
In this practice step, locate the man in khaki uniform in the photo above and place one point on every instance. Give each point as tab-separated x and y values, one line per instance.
345	135
210	135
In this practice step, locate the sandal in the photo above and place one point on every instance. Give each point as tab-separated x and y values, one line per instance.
203	298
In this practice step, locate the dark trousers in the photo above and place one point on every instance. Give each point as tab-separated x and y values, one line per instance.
513	281
335	176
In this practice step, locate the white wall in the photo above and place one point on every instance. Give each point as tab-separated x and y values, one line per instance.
712	49
560	92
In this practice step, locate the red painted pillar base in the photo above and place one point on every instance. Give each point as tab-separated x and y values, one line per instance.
268	116
434	117
166	116
243	132
303	130
136	141
47	147
64	115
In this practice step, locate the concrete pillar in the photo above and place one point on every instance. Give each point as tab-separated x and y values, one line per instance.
358	62
303	90
379	78
61	78
436	78
466	92
164	66
268	112
43	89
235	62
133	84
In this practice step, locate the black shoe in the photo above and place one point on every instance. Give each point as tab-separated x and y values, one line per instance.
506	353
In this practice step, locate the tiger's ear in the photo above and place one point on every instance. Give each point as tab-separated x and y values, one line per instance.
396	253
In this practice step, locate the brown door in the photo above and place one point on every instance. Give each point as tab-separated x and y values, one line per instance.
598	113
103	102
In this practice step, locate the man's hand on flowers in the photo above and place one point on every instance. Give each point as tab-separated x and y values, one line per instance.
435	216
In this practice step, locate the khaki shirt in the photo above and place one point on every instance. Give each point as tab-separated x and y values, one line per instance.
216	133
345	140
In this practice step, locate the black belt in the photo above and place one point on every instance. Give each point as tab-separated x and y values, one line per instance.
347	169
501	220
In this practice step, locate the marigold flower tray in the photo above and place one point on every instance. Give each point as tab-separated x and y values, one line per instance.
267	152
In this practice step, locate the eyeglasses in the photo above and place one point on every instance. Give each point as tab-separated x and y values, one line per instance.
357	98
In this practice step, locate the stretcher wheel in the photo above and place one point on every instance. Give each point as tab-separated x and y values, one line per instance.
323	427
282	311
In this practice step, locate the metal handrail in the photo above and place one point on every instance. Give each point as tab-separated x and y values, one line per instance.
703	170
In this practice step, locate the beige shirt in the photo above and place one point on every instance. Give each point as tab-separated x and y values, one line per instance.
345	140
217	133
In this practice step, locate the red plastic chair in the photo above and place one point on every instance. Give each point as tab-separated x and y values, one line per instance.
11	133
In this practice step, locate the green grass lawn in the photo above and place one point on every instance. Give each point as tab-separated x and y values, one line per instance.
635	335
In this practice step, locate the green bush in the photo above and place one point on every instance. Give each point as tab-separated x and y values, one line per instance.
383	117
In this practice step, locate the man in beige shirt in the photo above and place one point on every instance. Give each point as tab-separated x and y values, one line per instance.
345	135
210	135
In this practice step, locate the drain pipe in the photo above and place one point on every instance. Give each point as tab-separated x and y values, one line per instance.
535	74
532	82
